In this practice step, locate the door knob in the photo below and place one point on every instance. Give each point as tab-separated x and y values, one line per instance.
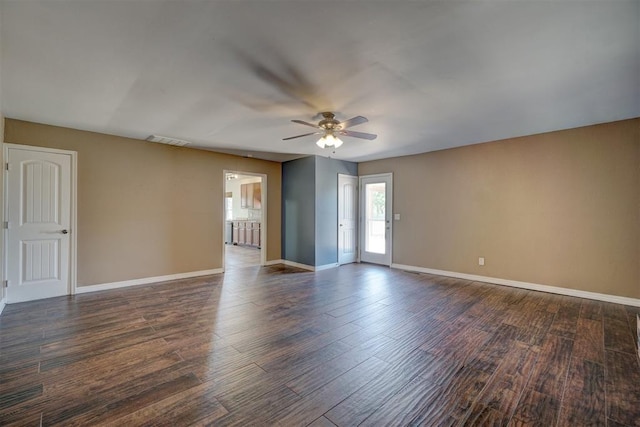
65	232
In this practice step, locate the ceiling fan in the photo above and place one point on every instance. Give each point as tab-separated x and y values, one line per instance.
330	128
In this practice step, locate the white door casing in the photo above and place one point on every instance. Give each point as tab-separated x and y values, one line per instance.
263	213
39	212
347	219
376	204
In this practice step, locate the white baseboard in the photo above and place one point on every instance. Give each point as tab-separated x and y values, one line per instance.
638	332
525	285
3	302
145	281
298	265
274	262
304	266
326	266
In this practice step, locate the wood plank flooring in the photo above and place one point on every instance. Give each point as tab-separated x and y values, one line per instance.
356	345
239	256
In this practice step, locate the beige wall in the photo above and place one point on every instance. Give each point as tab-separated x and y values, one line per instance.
1	210
1	187
146	209
559	209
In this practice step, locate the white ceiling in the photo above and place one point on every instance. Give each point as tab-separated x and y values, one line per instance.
230	75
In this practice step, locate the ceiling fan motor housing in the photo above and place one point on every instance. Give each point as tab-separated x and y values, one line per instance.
329	123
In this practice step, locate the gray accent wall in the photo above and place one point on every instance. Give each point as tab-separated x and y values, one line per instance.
310	209
298	210
327	171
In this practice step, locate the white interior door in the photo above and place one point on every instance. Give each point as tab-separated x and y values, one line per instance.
38	203
347	219
375	215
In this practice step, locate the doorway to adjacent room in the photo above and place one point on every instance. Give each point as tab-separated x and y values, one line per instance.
244	229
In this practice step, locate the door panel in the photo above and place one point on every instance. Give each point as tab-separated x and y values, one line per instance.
347	219
257	196
255	234
41	192
243	196
39	219
375	226
41	260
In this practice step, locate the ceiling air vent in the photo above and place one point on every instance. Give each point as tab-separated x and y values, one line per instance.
168	141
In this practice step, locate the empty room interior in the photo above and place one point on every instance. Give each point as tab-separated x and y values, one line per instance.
320	213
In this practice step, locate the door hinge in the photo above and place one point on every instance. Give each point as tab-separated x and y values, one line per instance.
5	225
5	283
7	166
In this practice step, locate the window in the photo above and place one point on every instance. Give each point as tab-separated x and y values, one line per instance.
228	206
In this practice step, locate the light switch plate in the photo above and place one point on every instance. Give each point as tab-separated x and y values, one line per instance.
396	217
481	261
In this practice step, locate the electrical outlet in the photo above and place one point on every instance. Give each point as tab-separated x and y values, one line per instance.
481	261
396	217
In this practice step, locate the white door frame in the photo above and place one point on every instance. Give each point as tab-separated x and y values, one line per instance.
356	213
263	220
388	213
73	232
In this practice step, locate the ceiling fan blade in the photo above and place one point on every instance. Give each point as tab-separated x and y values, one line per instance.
300	136
362	135
357	120
305	123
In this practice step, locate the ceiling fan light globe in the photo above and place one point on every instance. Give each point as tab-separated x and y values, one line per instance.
320	143
330	140
337	143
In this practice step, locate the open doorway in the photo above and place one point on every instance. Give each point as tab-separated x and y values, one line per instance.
244	220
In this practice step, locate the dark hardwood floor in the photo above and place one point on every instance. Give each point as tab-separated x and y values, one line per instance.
355	345
239	256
